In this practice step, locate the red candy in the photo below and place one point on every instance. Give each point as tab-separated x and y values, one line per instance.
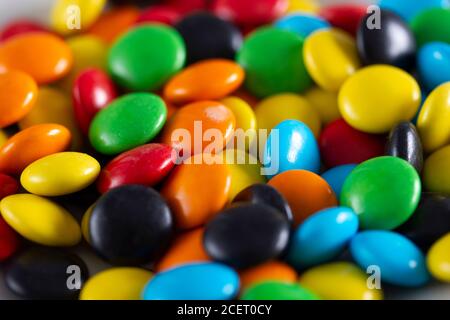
163	14
8	185
19	27
9	241
344	16
146	165
92	91
186	6
341	144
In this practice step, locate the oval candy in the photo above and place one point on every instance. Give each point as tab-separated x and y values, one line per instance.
275	290
436	173
408	9
431	25
438	259
336	177
9	241
277	271
302	24
433	64
345	16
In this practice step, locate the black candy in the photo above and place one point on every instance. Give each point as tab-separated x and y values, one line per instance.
404	142
130	225
265	194
430	221
246	235
393	43
207	36
43	273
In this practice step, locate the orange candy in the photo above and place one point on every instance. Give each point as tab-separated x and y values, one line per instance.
187	248
269	271
18	93
196	190
209	79
196	118
113	23
32	144
305	191
42	55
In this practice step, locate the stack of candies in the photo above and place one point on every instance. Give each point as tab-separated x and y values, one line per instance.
349	192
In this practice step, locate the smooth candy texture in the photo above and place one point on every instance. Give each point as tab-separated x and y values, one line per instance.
341	144
436	173
41	273
130	55
404	142
274	290
286	106
438	259
116	284
391	43
233	237
40	220
8	185
305	191
159	13
301	24
336	177
434	118
127	122
53	54
19	27
291	145
432	25
303	6
18	93
409	9
279	46
344	16
383	191
92	91
331	57
199	281
9	241
339	281
205	80
60	173
433	63
277	271
31	144
130	225
403	264
325	103
321	237
207	36
378	97
145	165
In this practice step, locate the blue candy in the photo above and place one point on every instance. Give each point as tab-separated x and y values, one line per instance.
291	145
399	260
197	281
336	177
433	64
408	9
322	236
301	24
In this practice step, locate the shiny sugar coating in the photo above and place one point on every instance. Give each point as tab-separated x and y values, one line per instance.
233	238
120	283
19	27
325	103
408	10
9	243
336	177
431	25
438	259
130	225
269	271
275	290
60	174
40	220
433	63
302	24
344	16
383	191
436	172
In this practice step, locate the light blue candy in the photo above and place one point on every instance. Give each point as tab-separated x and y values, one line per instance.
295	148
301	24
322	236
197	281
408	9
399	261
433	64
336	177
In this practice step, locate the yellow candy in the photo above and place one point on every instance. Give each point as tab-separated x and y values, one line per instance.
121	283
378	97
245	118
54	106
60	173
325	102
339	281
436	172
306	6
438	259
3	137
434	119
275	109
40	220
85	223
331	57
69	16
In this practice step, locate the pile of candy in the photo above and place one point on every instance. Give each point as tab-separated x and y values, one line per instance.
357	104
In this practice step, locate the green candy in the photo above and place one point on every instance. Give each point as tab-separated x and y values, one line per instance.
432	25
383	191
275	290
273	62
127	122
146	57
